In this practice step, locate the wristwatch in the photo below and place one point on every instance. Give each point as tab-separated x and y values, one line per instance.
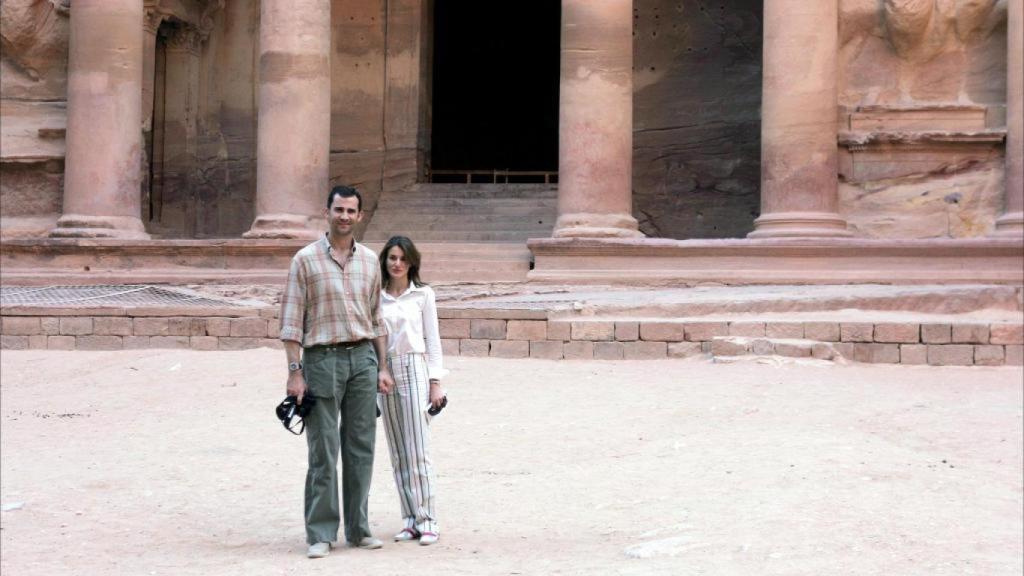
294	366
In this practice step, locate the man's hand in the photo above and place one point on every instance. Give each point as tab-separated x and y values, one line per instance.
384	381
296	385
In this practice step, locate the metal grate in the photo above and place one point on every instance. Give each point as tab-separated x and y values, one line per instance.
105	295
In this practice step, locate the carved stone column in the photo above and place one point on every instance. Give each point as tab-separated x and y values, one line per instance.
799	125
293	139
595	130
104	140
1011	223
150	25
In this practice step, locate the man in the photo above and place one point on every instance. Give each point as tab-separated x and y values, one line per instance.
336	343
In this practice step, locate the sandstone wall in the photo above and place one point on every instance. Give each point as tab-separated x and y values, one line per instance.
696	115
379	86
225	181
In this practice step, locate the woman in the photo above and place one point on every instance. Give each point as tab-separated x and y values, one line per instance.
414	357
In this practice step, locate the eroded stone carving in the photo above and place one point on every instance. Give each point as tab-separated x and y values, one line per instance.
152	19
186	39
33	36
922	29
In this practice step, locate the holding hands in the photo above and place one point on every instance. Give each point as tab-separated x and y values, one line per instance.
385	382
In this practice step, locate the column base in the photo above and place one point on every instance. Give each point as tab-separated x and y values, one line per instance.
82	226
1010	224
592	225
286	226
800	225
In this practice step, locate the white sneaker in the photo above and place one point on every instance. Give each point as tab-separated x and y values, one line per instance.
319	550
407	535
428	538
369	543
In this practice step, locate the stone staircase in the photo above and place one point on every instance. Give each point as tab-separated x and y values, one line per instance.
467	232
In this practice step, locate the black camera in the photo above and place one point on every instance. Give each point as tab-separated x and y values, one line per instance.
293	415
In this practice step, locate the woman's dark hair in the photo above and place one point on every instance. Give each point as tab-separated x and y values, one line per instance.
412	258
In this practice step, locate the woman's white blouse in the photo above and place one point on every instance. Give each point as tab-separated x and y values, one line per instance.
412	326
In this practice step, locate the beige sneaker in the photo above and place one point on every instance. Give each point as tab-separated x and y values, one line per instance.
369	543
318	550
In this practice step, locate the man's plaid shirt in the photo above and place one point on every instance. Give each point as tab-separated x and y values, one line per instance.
324	303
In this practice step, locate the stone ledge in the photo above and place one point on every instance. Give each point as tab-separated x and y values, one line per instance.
137	311
444	312
779	261
42	261
870	352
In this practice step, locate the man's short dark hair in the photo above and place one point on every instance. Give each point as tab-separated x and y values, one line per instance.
344	192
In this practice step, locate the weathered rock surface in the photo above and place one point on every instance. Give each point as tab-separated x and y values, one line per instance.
696	141
34	39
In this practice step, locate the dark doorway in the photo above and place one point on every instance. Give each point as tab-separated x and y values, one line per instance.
495	89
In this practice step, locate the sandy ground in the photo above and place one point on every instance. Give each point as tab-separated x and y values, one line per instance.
171	462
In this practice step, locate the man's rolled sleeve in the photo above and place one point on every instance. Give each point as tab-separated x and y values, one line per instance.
293	303
380	328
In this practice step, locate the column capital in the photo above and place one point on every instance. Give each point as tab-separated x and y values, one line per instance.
152	16
186	38
206	19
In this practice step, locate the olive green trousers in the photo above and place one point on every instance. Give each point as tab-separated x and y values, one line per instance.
344	382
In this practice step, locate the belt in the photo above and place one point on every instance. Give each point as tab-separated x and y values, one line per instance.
339	345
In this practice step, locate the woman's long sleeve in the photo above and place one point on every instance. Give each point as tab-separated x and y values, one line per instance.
432	338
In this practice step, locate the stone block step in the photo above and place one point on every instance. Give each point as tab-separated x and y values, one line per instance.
479	206
469	262
799	303
476	274
732	346
491	220
470	249
457	236
399	199
455	232
458	213
520	191
977	352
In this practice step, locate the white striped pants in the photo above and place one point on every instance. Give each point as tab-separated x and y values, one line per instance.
406	424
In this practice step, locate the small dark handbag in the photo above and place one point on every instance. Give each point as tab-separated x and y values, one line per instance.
435	410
